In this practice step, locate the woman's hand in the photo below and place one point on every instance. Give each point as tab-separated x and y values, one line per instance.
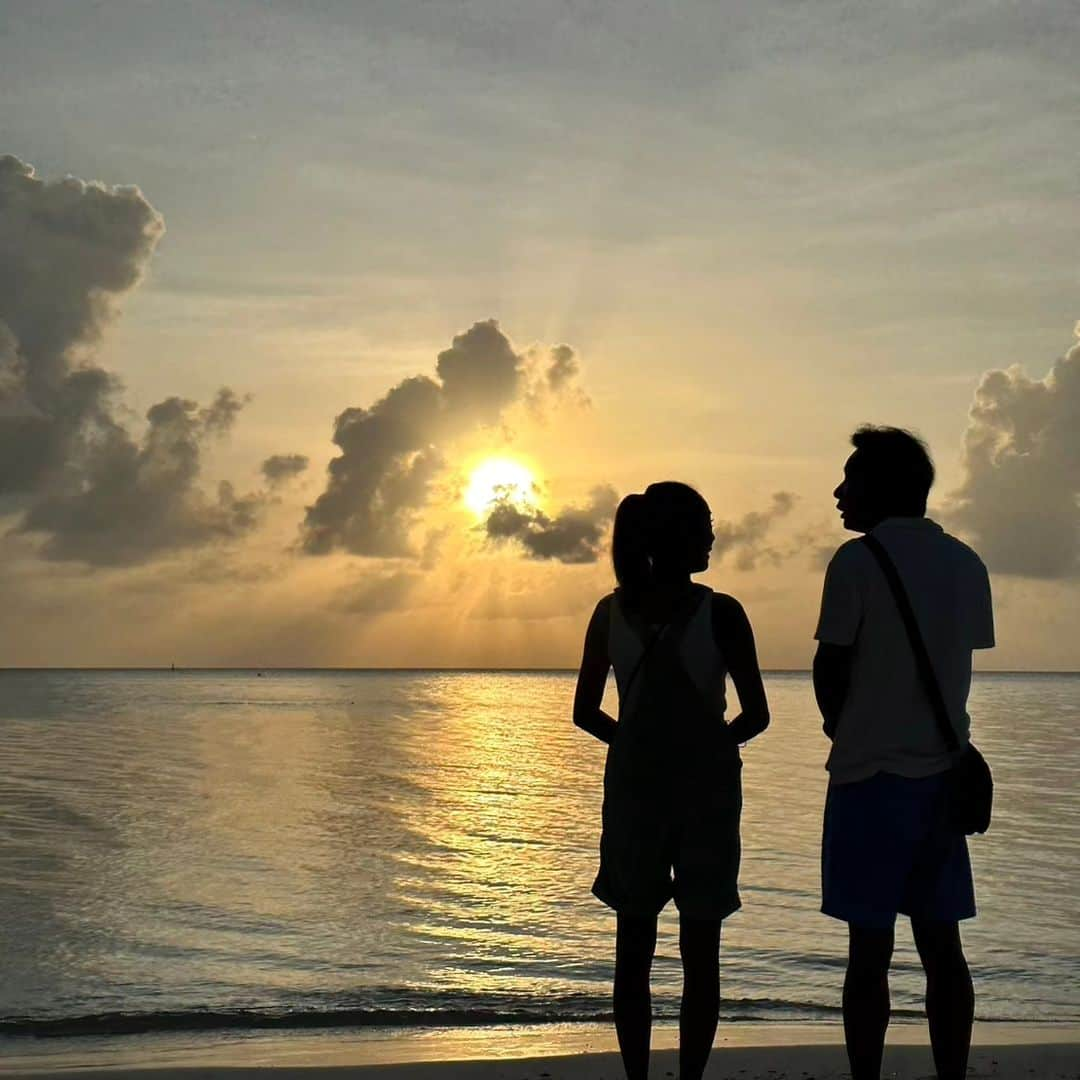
735	639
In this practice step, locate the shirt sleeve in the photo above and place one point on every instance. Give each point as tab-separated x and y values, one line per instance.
841	602
982	626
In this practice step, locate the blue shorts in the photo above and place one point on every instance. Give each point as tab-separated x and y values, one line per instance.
889	848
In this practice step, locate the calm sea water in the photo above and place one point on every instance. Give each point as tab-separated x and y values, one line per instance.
222	849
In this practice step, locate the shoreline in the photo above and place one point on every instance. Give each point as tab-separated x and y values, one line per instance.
572	1051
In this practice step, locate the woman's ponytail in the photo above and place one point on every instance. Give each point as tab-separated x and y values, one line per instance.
630	544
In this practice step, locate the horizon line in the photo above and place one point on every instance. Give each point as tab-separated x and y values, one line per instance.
174	669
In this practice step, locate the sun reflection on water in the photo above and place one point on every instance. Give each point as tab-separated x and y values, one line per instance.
313	840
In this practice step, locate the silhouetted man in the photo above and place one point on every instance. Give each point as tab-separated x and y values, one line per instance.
889	845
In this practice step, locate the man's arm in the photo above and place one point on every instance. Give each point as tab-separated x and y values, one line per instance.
832	677
735	638
837	628
982	631
592	677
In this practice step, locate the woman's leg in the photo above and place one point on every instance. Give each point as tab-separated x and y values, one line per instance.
699	945
635	944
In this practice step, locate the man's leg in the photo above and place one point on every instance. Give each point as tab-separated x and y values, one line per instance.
866	999
635	944
699	946
950	997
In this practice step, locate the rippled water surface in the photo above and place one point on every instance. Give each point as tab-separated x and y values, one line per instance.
415	847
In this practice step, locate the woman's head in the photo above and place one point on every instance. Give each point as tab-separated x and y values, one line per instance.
660	534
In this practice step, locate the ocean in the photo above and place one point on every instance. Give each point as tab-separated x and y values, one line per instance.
237	850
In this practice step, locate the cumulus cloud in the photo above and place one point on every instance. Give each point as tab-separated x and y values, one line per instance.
390	451
575	535
126	502
480	374
280	468
1020	499
746	539
94	492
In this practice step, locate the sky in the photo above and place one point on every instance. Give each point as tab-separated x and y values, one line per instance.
277	279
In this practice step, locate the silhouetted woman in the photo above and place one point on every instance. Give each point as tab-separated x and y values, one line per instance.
672	791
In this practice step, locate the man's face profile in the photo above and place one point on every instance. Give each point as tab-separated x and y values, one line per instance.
855	496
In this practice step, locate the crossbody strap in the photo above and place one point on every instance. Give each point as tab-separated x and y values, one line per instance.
650	644
918	646
648	648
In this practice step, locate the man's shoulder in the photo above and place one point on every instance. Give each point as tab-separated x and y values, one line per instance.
961	554
961	549
850	556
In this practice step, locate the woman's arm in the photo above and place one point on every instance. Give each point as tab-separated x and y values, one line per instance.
735	638
593	676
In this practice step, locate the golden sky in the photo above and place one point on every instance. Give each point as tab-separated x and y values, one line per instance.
611	243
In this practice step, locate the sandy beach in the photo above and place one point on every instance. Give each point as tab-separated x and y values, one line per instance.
755	1052
1034	1062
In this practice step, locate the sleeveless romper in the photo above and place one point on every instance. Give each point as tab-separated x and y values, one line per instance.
672	783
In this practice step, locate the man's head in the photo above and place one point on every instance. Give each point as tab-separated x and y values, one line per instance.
888	475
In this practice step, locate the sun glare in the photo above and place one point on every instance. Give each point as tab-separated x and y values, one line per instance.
497	479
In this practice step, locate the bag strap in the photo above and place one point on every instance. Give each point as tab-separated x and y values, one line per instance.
918	646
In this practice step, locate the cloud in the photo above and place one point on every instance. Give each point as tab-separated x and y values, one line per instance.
1019	502
135	501
69	250
280	468
745	538
219	417
578	534
480	374
390	451
553	379
574	535
72	470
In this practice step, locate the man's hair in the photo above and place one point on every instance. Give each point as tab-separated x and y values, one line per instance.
900	465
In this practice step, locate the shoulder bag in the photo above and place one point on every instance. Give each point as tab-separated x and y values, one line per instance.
971	787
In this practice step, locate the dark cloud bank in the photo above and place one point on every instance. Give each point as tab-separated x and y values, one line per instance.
574	535
78	478
1020	499
580	534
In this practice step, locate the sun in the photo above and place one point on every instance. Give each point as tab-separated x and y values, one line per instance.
499	479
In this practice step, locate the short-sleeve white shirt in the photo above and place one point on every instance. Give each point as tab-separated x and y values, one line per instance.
886	723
